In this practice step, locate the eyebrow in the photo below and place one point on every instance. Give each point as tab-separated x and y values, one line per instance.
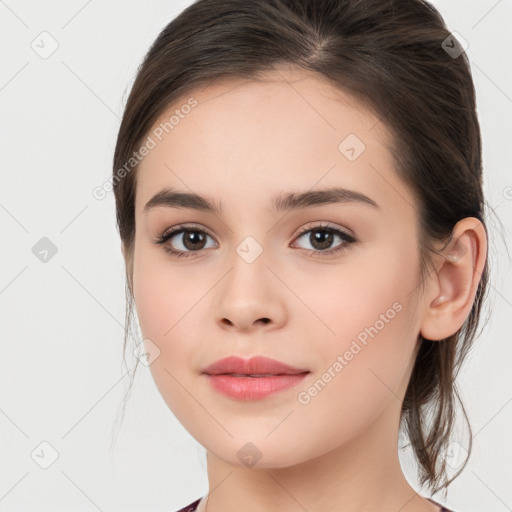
172	198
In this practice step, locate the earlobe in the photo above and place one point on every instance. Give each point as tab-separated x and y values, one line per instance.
457	279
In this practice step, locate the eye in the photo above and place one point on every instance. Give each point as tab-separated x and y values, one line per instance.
191	239
321	237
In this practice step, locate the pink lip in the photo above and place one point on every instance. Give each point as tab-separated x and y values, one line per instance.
257	377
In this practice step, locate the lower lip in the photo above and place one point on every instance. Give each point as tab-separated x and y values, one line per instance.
253	388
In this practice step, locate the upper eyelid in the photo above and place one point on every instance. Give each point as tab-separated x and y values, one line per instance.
310	226
321	225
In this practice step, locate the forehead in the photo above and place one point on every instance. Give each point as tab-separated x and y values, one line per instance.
286	130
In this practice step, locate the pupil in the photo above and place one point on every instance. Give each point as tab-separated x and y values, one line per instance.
317	239
195	238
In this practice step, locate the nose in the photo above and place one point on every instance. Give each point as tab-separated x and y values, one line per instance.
250	297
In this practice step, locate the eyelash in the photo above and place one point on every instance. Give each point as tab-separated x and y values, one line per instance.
162	239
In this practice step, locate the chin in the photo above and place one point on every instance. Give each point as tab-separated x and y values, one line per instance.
255	454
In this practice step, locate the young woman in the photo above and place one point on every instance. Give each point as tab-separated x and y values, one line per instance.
298	188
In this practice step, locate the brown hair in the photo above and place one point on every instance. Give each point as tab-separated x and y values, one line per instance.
396	57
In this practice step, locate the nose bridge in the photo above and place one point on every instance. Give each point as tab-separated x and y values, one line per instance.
247	279
248	292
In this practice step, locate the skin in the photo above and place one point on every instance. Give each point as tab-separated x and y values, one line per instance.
243	143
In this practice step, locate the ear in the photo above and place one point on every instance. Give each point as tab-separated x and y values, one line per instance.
455	281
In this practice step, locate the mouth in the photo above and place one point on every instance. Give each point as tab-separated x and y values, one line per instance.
252	387
257	375
254	378
258	366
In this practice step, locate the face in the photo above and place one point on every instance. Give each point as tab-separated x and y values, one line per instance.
328	285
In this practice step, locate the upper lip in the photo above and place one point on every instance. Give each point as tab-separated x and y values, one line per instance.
258	365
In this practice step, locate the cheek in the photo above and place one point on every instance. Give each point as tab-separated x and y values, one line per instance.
162	298
362	370
370	291
159	310
168	305
368	331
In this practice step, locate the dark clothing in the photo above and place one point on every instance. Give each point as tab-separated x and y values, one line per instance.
193	506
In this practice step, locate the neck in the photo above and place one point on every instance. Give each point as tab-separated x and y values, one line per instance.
361	475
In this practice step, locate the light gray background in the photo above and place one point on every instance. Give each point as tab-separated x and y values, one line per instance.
61	374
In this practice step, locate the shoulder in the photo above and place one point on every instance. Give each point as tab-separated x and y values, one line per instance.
190	508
